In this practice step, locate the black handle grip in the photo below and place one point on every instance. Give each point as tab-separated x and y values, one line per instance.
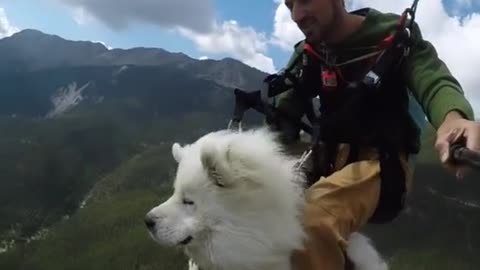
462	155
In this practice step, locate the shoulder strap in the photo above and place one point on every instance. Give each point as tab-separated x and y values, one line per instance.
397	47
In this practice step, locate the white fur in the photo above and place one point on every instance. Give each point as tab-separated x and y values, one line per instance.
247	201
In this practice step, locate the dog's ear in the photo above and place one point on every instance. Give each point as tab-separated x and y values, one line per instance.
177	152
215	163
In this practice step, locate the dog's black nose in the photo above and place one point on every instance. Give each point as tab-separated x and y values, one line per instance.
149	222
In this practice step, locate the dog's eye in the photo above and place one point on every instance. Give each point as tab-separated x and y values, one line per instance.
187	201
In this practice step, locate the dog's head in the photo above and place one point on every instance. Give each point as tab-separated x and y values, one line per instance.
236	186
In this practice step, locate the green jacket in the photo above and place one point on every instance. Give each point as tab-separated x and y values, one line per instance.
433	89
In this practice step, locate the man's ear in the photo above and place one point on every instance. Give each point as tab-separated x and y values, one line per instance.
215	162
177	152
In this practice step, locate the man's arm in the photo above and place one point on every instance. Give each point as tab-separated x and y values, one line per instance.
432	83
442	99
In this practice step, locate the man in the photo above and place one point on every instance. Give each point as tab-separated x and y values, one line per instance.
347	198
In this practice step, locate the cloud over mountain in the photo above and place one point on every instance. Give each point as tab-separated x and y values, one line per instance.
6	29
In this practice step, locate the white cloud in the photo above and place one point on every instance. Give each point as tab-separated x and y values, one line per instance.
103	43
456	39
203	58
119	14
243	43
81	16
6	29
285	31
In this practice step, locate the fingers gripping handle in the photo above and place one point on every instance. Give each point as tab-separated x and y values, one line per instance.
460	154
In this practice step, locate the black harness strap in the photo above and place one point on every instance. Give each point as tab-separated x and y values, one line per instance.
252	100
393	186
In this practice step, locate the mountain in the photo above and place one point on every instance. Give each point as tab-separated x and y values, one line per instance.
51	51
85	143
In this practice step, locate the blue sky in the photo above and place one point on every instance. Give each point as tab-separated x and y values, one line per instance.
257	32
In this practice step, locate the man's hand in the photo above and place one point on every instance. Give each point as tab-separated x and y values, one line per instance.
456	129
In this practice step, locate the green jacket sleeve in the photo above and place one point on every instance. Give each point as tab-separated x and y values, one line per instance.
432	83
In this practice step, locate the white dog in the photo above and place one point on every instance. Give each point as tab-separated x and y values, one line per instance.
237	204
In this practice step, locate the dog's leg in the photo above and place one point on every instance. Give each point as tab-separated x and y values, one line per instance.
363	254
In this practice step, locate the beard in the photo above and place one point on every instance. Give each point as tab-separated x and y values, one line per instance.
319	30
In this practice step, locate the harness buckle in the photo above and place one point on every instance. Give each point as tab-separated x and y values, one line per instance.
371	78
408	34
329	79
234	124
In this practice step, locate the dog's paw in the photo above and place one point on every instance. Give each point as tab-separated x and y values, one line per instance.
192	265
177	152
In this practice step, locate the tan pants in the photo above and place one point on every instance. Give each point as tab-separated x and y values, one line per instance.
337	206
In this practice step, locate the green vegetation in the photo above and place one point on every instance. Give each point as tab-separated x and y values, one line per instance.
430	259
108	234
48	166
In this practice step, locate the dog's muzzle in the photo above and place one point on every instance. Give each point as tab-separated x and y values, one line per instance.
150	222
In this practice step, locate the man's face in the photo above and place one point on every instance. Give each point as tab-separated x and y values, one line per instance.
313	17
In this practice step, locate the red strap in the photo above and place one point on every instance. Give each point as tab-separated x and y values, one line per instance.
310	49
386	42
